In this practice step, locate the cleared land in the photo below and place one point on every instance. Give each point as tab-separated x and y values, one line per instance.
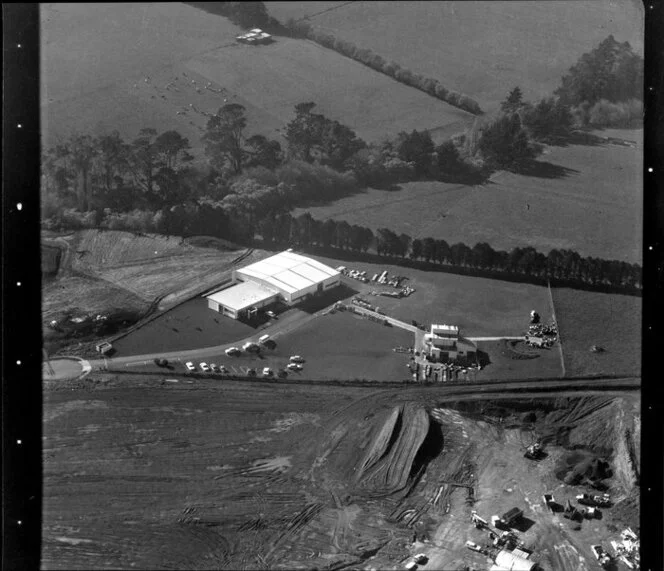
480	307
115	47
515	360
610	321
585	198
141	472
500	44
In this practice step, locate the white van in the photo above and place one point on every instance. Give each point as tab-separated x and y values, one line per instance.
263	338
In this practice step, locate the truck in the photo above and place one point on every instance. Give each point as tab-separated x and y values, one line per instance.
601	555
512	516
549	501
478	521
594	500
534	451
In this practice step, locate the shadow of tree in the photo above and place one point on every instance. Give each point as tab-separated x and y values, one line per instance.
577	137
541	169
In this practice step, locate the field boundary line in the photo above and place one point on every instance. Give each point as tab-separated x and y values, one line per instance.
560	339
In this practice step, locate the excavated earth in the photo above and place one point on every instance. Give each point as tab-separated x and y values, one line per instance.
154	472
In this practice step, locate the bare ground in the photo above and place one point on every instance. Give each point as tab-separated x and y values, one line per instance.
153	473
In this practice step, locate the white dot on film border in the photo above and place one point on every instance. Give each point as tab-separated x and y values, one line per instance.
19	205
19	522
650	169
18	362
649	247
18	45
19	126
18	284
19	441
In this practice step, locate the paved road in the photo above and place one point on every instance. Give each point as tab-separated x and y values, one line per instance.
278	327
474	339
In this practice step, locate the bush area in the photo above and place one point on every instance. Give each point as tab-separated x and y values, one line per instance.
304	29
250	183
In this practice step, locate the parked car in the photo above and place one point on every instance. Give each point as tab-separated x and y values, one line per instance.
223	369
251	372
204	367
420	559
296	359
214	368
251	347
472	545
267	372
190	366
294	367
282	373
271	314
233	351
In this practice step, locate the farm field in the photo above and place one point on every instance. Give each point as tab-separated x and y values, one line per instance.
501	44
505	361
141	472
610	321
296	71
585	198
115	48
480	307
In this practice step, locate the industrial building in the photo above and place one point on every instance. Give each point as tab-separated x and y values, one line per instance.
511	561
286	277
444	344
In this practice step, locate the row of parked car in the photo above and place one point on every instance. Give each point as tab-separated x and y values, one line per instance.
294	364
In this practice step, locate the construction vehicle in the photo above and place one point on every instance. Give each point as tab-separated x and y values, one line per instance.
589	512
479	522
512	516
420	559
602	556
571	512
534	451
594	500
549	501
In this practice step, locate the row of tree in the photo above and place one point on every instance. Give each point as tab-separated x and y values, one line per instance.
304	29
566	265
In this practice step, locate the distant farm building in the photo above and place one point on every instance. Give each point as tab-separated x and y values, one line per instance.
286	277
255	36
444	344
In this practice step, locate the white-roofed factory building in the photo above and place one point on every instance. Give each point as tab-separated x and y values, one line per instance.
286	277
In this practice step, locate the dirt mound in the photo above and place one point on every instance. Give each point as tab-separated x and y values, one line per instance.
388	463
580	466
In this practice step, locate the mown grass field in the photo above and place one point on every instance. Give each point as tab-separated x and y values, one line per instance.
581	197
95	60
481	48
480	307
610	321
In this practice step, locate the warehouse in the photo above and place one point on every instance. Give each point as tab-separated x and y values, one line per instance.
286	277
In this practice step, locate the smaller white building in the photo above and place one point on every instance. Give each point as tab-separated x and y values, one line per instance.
443	343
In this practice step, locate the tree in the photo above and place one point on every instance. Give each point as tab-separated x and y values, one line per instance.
172	149
224	138
248	14
429	249
549	120
304	132
338	144
417	148
513	102
611	71
83	149
449	159
263	152
505	142
144	159
417	247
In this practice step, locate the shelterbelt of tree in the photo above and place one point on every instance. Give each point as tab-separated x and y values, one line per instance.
249	183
